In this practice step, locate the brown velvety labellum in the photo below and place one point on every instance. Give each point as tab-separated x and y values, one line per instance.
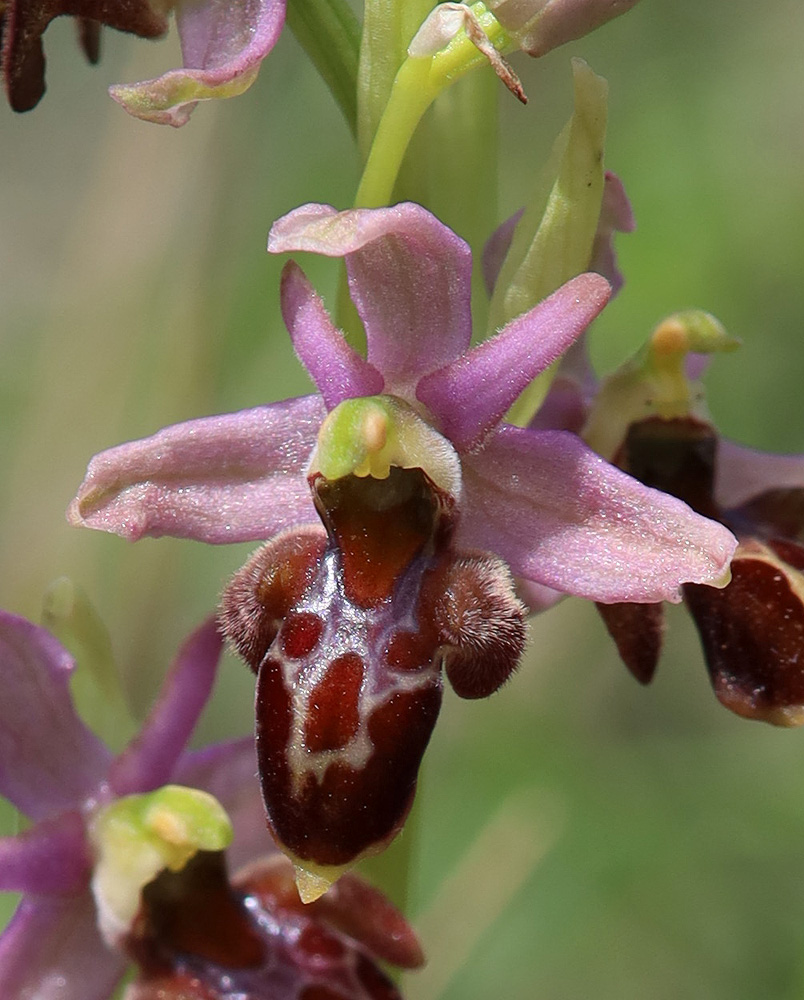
350	687
638	631
333	714
774	513
23	22
274	707
409	651
301	634
481	623
378	526
676	456
200	936
752	633
263	592
334	813
789	552
195	912
351	906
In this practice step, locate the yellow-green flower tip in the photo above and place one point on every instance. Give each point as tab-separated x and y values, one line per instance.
654	383
691	331
313	880
138	836
367	436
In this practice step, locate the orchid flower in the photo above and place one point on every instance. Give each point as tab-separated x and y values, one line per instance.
104	827
222	44
650	418
429	503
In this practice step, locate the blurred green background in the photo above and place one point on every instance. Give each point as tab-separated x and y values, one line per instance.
576	836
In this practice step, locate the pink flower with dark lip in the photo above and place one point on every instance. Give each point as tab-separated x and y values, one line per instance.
348	628
751	630
223	45
541	500
59	774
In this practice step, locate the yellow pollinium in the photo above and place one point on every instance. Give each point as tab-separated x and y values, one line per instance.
654	383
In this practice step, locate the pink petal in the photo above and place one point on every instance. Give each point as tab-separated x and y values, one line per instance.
51	858
150	758
232	478
562	516
742	473
52	950
222	44
338	371
49	760
229	772
409	277
537	597
470	395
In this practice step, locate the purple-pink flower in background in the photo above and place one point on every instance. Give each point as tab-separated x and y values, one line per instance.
62	777
429	503
650	418
222	45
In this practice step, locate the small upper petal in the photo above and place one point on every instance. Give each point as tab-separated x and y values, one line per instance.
230	478
338	371
49	760
149	759
742	473
222	44
52	950
562	516
409	277
470	395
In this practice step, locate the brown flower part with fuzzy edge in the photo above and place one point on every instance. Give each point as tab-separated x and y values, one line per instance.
200	936
752	630
23	22
347	629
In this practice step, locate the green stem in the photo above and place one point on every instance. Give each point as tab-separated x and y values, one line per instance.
329	32
388	27
417	84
